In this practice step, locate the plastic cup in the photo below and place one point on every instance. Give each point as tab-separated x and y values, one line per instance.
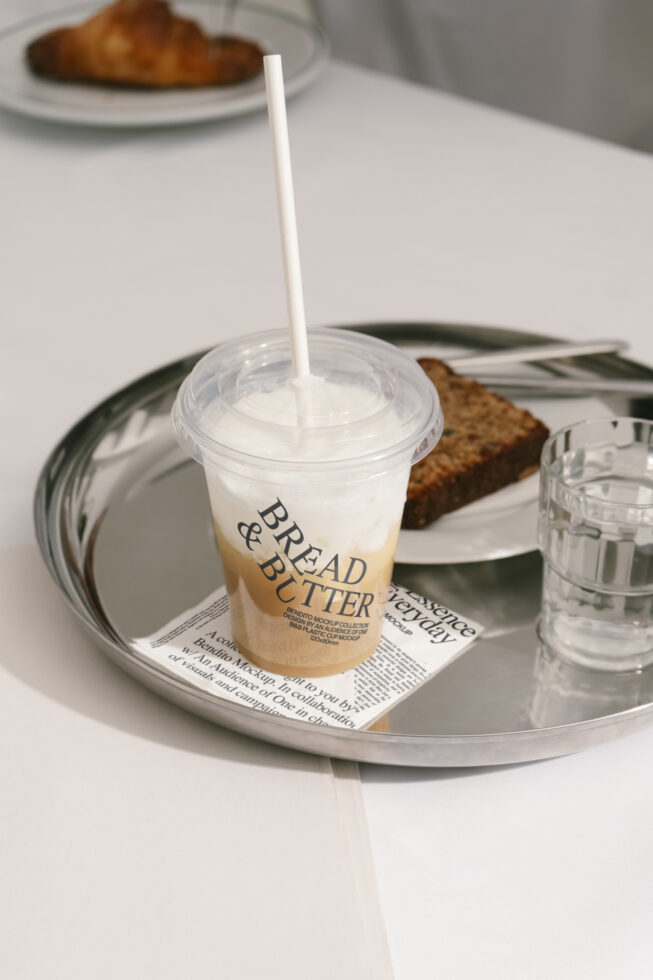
307	483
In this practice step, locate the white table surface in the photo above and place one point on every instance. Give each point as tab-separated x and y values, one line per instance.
124	250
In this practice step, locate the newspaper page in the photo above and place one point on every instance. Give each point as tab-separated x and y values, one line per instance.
419	638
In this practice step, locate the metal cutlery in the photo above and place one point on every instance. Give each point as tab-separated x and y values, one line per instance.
570	386
536	352
634	387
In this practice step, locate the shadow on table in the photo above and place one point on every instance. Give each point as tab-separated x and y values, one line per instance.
48	650
399	775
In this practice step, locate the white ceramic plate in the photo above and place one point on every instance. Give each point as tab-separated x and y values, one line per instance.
503	523
301	44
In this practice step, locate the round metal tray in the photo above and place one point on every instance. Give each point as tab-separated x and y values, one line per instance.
124	526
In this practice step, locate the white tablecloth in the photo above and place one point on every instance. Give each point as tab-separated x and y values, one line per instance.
124	250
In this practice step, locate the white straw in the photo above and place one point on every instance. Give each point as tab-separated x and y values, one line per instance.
287	217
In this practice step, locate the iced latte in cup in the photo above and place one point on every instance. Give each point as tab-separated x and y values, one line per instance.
307	481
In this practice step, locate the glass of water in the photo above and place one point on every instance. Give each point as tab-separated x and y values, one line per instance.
596	537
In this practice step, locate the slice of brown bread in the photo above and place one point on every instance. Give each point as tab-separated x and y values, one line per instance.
486	444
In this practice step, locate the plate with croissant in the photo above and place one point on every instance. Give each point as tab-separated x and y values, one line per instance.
151	62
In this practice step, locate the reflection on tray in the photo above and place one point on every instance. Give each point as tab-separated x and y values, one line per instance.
502	595
565	693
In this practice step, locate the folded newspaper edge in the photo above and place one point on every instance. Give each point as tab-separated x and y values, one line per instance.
420	637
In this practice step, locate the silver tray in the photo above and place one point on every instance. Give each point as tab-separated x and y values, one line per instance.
123	523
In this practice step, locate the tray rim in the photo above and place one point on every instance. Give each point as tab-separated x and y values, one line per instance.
445	751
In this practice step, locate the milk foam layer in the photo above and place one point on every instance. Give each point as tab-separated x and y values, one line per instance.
312	421
344	519
343	510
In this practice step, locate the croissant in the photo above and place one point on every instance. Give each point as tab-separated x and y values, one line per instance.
142	43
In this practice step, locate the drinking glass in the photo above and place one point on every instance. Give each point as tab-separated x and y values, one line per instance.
596	537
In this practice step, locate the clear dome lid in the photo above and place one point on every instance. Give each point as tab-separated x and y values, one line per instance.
365	403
